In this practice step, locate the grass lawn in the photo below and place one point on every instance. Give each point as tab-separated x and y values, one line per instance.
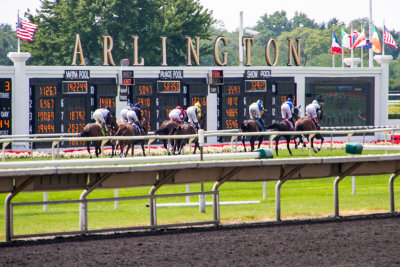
299	199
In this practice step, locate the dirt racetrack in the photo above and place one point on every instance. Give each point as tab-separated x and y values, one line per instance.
351	241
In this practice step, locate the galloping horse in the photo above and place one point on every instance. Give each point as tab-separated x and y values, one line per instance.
283	126
307	124
166	129
251	126
94	130
127	129
186	129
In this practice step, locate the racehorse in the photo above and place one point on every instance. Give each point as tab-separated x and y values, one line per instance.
127	129
307	124
186	129
166	129
251	126
283	126
95	129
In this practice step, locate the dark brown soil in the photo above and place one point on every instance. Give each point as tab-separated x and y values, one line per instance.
351	241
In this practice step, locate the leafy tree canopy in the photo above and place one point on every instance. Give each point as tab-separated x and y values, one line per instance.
60	20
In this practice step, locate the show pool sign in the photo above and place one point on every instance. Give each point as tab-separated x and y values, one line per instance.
5	106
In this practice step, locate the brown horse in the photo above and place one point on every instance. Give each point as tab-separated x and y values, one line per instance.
251	126
127	129
186	129
308	124
95	129
283	126
166	129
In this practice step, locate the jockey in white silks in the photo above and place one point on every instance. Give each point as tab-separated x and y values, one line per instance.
256	111
287	109
194	114
177	114
312	112
124	112
101	116
135	116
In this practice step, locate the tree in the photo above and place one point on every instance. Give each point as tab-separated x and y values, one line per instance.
272	26
301	20
8	43
59	21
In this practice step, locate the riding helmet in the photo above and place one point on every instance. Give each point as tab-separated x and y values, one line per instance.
137	105
197	104
290	100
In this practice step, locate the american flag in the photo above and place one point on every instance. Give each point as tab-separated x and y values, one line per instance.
26	30
388	39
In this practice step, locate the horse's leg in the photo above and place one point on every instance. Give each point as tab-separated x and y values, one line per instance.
144	153
88	148
181	147
121	148
97	149
288	144
132	146
244	143
322	140
276	144
311	143
252	140
260	140
196	145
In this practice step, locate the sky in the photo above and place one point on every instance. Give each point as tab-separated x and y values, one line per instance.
228	10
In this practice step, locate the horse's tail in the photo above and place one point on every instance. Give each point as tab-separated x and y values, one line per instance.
299	127
273	126
244	126
85	133
162	131
175	130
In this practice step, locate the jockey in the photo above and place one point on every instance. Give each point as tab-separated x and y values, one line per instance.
177	114
287	110
194	114
102	117
312	112
124	112
135	116
256	111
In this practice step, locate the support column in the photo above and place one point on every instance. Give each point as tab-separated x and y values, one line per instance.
382	92
20	99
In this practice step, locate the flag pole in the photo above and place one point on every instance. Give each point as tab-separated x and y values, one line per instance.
383	39
362	50
351	43
370	52
342	55
19	40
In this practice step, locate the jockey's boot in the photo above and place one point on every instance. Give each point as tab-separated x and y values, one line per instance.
261	121
291	122
196	125
317	126
105	128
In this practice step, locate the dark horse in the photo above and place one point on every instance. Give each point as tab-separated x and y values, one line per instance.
127	129
251	126
308	124
283	126
95	129
166	129
186	129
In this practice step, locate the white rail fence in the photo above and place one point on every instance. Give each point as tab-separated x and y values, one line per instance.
56	139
